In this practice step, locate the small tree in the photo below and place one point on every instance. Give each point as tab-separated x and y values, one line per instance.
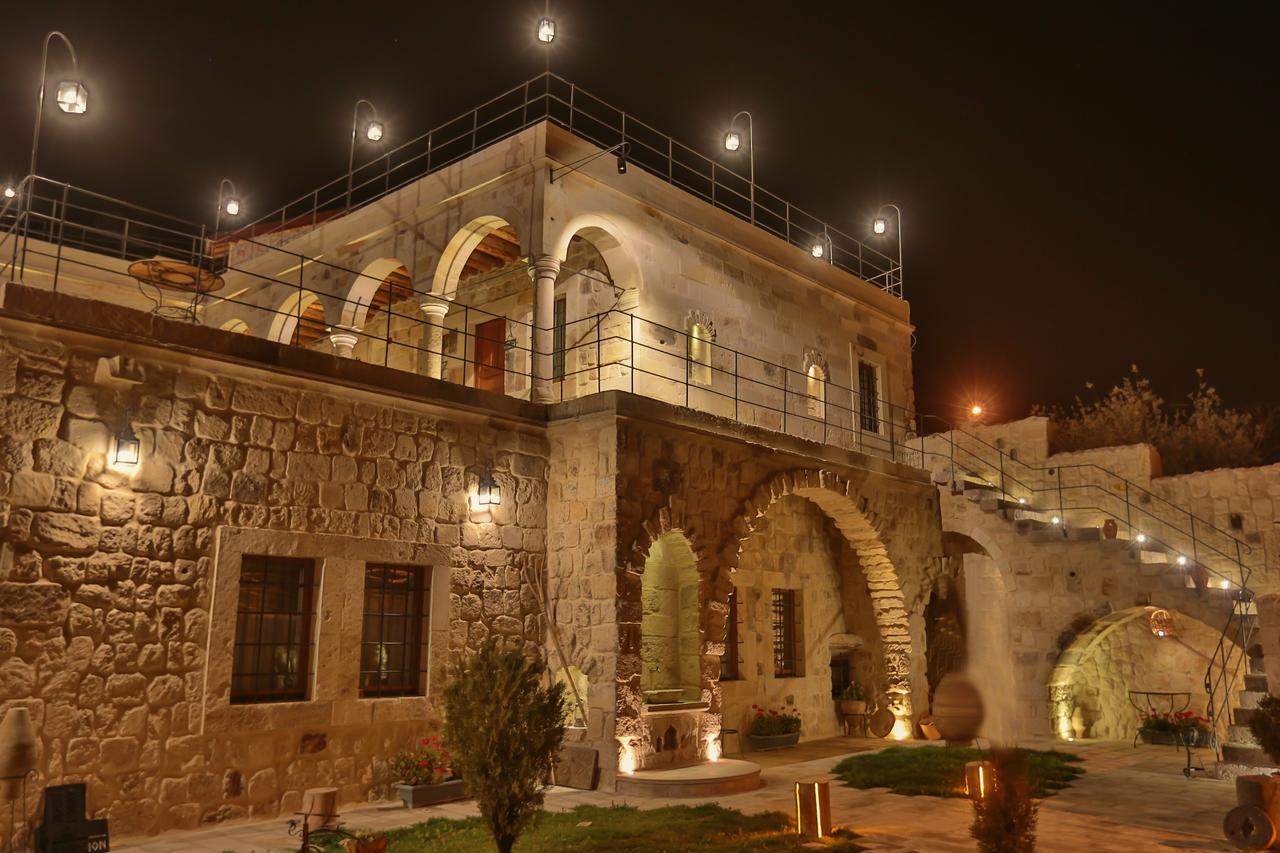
1265	726
1004	821
504	729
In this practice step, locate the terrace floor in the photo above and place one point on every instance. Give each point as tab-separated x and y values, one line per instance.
1128	799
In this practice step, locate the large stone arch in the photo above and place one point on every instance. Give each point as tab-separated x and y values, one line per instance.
607	237
852	515
355	306
1066	682
453	259
631	728
286	316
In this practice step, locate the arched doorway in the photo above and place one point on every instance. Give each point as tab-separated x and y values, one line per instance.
1143	649
300	320
670	642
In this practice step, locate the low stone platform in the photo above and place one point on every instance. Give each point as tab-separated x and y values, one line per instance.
709	779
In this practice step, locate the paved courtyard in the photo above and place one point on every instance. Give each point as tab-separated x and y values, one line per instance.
1128	800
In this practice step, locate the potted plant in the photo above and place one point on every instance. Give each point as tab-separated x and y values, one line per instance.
365	841
852	701
773	728
1180	728
425	774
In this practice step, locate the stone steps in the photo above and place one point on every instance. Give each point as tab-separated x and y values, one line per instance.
1241	735
1255	682
1235	753
1250	698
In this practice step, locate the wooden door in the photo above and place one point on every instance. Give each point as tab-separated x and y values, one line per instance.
491	337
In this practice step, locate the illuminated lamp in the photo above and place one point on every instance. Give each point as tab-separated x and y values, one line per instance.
488	493
128	449
813	809
72	97
546	30
732	141
978	779
879	225
373	131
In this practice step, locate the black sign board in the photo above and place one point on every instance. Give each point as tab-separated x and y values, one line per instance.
65	829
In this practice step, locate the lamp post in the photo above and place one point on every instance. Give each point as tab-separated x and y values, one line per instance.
72	96
733	141
373	131
822	247
879	225
228	204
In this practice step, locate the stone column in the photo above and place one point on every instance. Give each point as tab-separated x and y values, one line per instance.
434	341
545	270
343	340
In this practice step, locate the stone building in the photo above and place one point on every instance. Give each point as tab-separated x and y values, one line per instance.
633	421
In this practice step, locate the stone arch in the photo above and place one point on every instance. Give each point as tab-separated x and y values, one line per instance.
606	236
457	252
1067	680
355	306
837	497
296	305
236	326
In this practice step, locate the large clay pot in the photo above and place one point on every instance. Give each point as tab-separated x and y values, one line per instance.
957	708
17	750
853	706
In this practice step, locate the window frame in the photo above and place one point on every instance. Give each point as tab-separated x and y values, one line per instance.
415	656
698	352
870	418
559	336
307	591
785	624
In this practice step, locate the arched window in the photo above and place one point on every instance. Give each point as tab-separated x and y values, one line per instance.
816	391
700	354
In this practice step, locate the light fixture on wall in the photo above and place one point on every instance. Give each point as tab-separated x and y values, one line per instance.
488	493
1161	622
128	449
822	247
622	149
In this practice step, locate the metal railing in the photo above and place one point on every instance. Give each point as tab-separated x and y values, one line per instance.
549	97
55	232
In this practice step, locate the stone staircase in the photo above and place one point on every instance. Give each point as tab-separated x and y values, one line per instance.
1241	747
1050	526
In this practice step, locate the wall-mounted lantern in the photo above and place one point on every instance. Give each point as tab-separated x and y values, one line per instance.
1161	622
487	495
127	450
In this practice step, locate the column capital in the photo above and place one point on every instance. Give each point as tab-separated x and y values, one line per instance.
546	266
435	308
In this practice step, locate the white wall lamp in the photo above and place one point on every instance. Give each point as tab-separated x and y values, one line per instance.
487	495
128	449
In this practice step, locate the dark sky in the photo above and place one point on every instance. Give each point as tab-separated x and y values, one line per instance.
1084	185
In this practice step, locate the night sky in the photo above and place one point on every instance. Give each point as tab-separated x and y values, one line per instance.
1083	187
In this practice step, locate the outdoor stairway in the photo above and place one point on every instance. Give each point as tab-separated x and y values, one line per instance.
1213	576
1241	747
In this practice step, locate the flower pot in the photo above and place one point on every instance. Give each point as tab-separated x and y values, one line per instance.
761	743
1195	737
416	796
359	845
853	706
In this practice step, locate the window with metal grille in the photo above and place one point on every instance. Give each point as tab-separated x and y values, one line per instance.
869	396
559	326
394	633
730	669
272	658
786	656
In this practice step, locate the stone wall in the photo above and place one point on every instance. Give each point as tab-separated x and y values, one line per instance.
116	584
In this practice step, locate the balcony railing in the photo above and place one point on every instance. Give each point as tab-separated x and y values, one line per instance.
549	97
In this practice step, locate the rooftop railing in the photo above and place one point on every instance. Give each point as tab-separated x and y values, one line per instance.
549	97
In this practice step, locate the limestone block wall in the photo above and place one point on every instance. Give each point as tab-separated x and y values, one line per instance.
116	585
581	506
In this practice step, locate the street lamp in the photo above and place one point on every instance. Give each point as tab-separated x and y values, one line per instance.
879	226
72	96
822	247
733	141
9	191
373	131
546	30
228	203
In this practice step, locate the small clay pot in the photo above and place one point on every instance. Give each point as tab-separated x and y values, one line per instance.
1110	529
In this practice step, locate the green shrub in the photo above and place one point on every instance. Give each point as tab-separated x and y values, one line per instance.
852	693
503	728
1004	821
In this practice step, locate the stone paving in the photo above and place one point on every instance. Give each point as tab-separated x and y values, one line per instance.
1128	800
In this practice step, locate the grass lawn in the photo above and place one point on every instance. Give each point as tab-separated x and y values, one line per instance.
696	828
938	772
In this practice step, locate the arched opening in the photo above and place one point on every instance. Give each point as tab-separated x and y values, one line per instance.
670	642
699	354
300	320
390	324
816	391
236	326
945	627
1122	663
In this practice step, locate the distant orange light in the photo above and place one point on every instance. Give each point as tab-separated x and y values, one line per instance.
975	411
